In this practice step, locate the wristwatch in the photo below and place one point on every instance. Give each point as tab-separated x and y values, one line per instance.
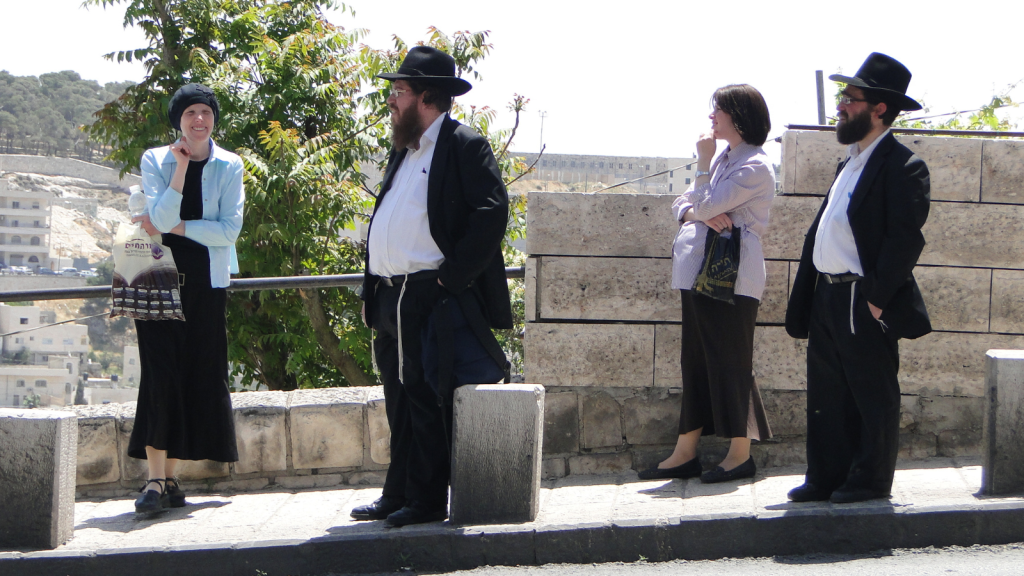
702	173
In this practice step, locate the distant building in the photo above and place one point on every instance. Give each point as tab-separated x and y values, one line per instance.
54	385
131	372
597	172
63	340
24	227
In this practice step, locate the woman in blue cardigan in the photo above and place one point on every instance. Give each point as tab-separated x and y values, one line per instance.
194	198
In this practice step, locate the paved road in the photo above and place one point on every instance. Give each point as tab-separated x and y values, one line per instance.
1007	560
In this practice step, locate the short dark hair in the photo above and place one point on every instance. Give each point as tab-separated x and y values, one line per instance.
435	95
748	110
875	97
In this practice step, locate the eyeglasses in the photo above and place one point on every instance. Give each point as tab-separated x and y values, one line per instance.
846	100
396	92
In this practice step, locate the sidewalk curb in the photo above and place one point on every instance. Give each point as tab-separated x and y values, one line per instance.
791	530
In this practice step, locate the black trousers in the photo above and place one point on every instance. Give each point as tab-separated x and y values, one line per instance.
421	426
853	395
717	357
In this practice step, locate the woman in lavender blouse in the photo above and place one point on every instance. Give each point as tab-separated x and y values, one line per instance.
720	396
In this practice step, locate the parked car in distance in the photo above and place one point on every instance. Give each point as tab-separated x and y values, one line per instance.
46	271
87	274
69	271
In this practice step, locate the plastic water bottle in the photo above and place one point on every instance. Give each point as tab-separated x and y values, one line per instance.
137	202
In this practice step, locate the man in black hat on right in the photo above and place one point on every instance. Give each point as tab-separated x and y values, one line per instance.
854	295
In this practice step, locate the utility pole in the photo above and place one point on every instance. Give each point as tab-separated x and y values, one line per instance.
820	78
543	115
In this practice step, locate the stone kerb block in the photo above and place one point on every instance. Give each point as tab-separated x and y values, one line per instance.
1003	429
38	449
496	453
261	430
640	225
327	427
378	427
97	461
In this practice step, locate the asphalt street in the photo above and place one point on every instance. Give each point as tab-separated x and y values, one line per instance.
1005	560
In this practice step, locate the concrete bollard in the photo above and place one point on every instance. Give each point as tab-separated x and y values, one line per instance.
38	452
496	453
1003	437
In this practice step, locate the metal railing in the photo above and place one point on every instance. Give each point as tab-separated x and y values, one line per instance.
237	285
918	131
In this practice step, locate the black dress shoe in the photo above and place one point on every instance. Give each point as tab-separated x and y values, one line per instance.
808	492
380	509
151	501
845	495
174	496
719	474
690	469
416	513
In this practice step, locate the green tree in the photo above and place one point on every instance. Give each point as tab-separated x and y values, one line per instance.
295	106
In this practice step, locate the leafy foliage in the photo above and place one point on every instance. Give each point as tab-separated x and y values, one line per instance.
301	105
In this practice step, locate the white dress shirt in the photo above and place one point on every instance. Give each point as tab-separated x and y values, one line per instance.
835	251
400	240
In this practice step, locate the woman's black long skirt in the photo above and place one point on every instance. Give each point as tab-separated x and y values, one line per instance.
719	392
184	401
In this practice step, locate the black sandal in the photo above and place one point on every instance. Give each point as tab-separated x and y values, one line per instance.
174	496
151	501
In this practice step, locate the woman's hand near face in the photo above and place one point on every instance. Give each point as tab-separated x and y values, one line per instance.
182	152
706	147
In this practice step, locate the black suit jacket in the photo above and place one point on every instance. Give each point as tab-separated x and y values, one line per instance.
886	212
467	207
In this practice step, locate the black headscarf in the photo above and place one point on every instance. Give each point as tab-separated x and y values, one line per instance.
188	95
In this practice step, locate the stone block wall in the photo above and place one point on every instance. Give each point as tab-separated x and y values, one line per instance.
299	439
603	324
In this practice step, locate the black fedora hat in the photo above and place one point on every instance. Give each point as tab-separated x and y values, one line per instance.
886	76
431	66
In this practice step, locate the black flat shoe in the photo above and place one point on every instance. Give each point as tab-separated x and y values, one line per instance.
380	509
174	496
416	513
850	495
690	469
151	501
719	474
808	493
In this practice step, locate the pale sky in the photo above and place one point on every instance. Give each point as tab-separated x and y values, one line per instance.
622	78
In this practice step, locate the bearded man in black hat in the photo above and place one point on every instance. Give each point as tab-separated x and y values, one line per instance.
854	295
435	281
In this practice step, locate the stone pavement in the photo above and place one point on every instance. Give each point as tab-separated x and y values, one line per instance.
582	519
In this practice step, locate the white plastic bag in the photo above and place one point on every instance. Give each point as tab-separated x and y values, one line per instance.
145	283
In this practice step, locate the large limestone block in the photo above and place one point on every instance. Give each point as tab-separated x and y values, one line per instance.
949	364
949	413
1003	431
38	450
261	430
652	417
1008	301
192	470
530	293
814	156
590	354
602	420
132	469
791	217
954	165
974	235
776	293
786	411
97	444
568	224
327	427
668	342
561	423
629	289
957	298
496	453
1003	172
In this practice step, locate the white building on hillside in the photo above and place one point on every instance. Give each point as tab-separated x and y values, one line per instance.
24	227
17	323
53	383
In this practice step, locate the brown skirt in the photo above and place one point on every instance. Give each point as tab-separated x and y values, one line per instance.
719	392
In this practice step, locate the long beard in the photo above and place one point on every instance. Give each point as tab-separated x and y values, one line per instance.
854	129
406	129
